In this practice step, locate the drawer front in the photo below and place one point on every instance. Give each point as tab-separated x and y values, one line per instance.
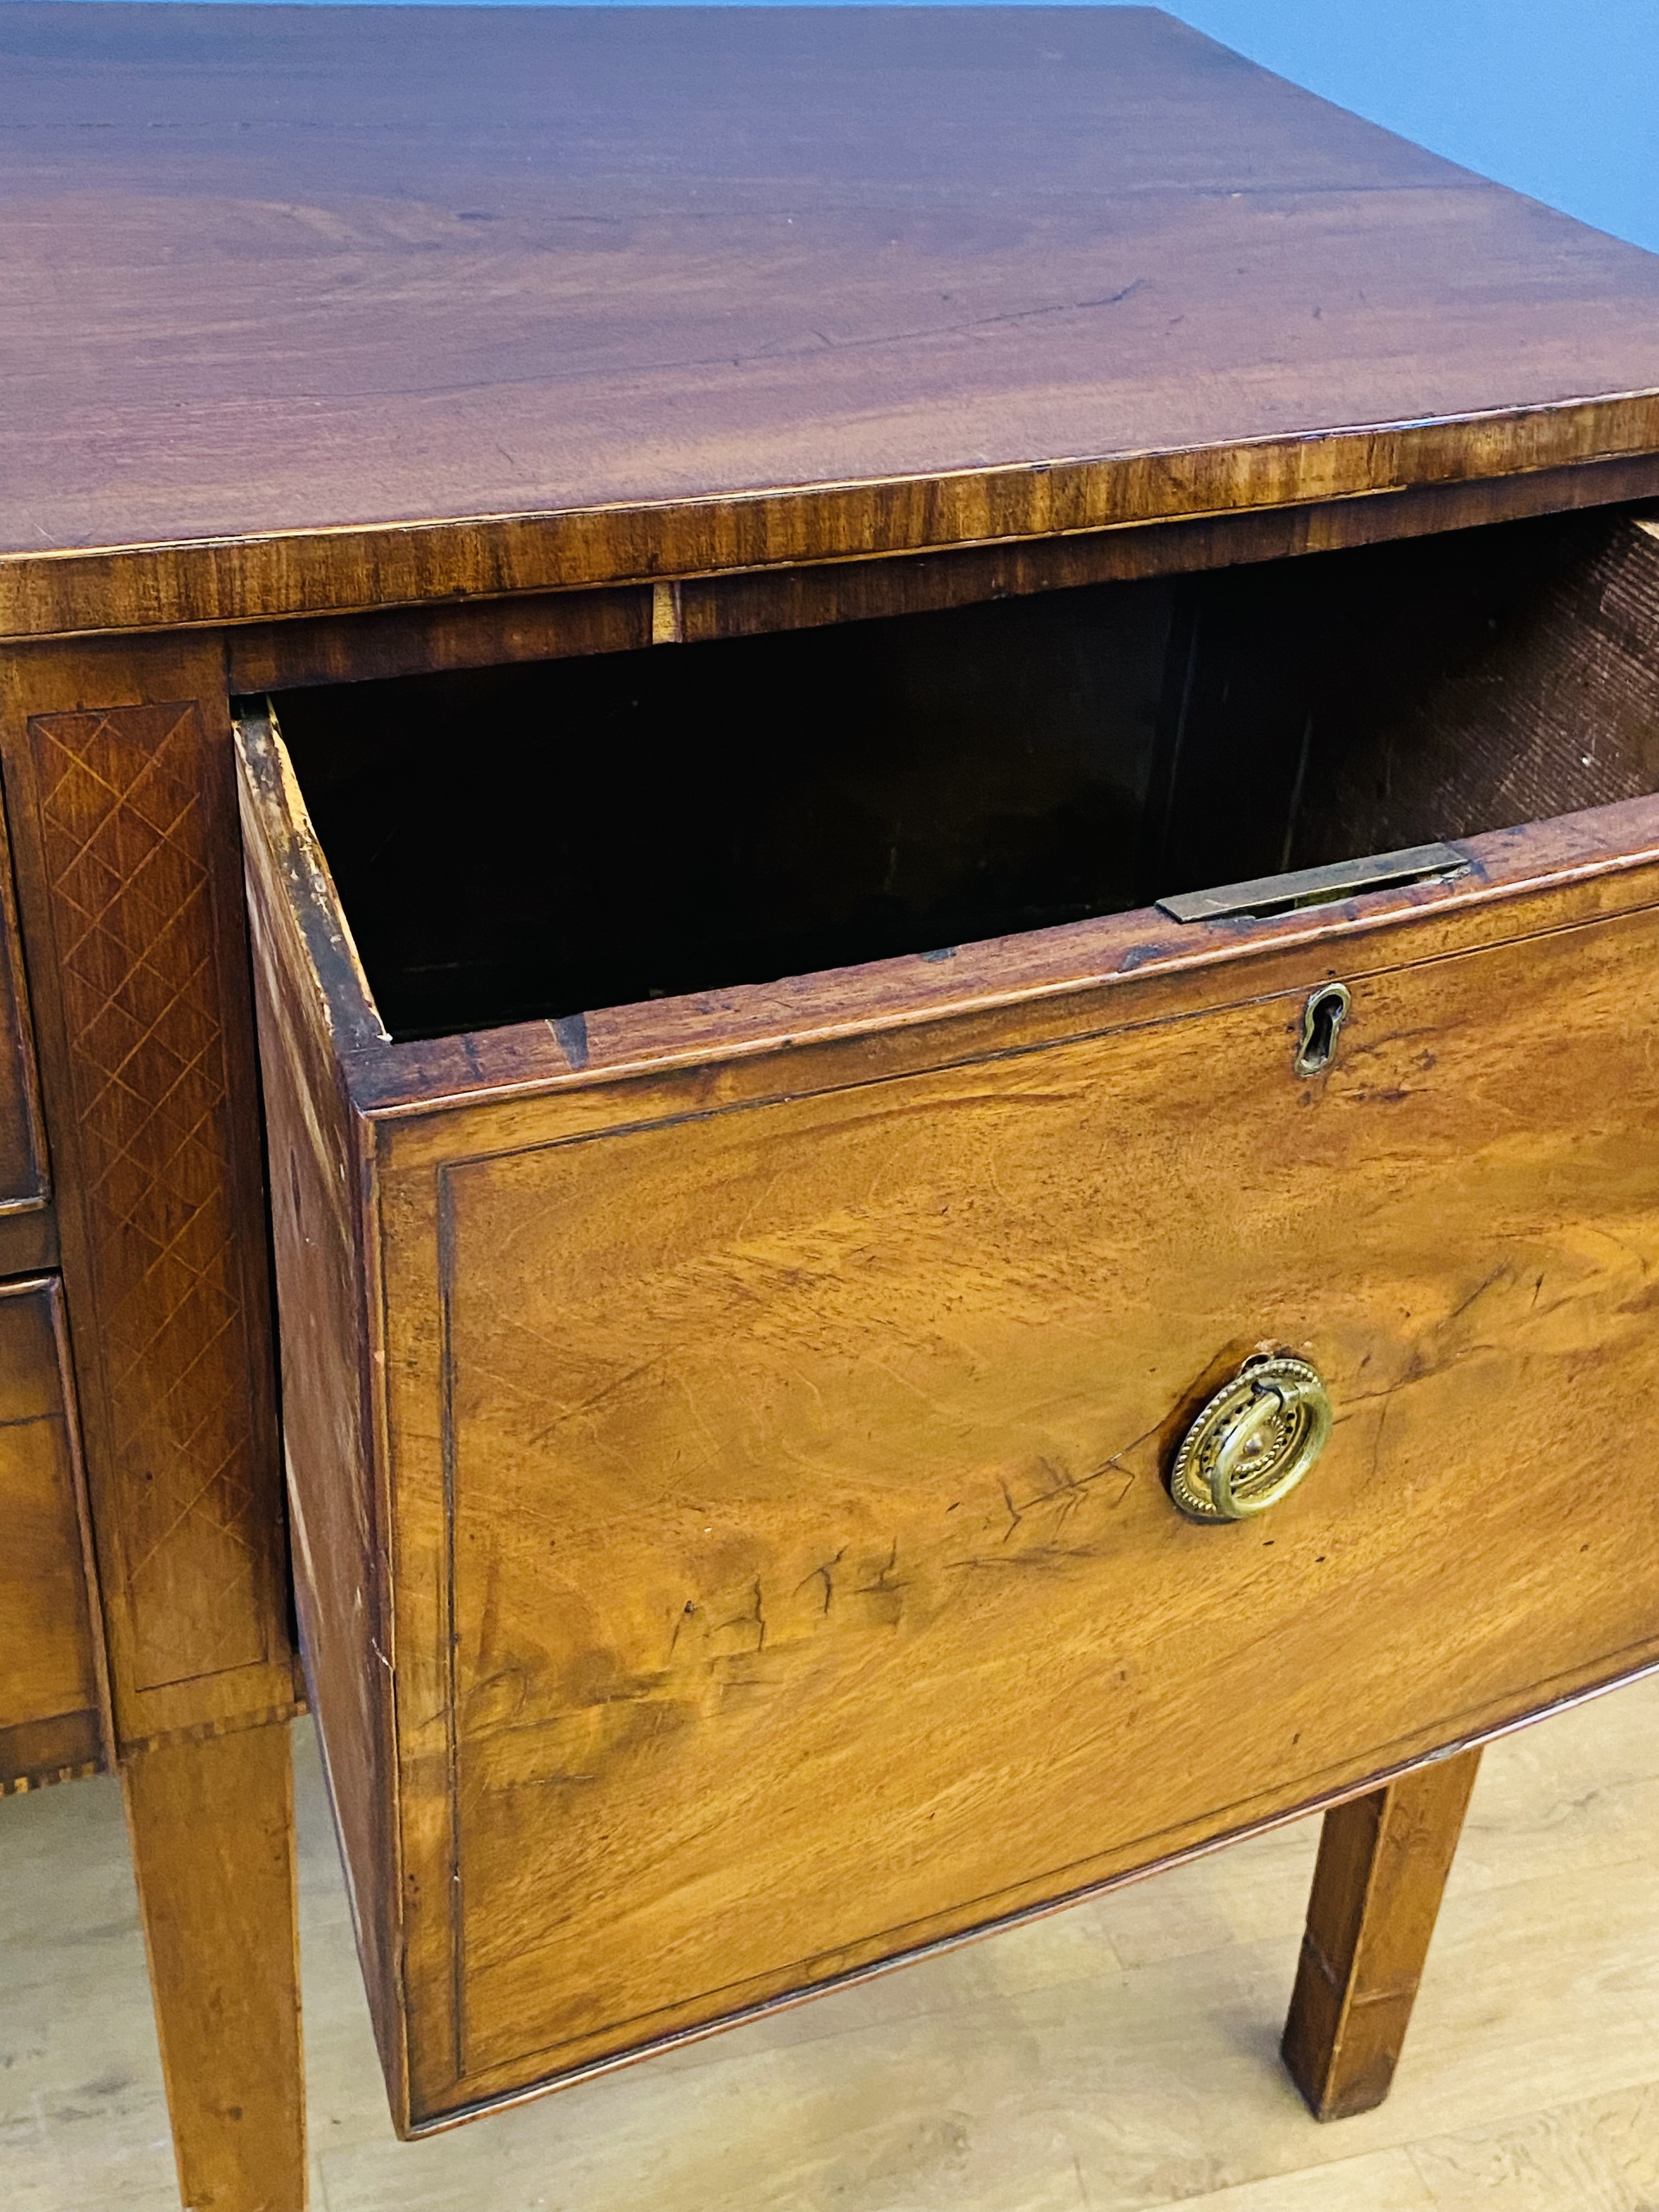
25	1228
785	1575
50	1674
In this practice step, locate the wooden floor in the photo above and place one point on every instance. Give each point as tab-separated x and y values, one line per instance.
1119	2056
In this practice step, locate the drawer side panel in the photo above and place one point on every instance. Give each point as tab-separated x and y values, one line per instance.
317	1211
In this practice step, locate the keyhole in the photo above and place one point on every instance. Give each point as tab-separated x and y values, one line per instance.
1322	1022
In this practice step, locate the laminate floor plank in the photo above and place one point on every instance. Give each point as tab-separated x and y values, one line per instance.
1601	2154
82	2110
1382	2181
1118	2058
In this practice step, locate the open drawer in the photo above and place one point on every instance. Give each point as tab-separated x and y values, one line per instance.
730	1430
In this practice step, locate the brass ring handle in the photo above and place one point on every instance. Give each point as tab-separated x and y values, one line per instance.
1253	1441
1243	1443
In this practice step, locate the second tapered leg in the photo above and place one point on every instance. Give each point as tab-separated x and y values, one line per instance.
1383	1864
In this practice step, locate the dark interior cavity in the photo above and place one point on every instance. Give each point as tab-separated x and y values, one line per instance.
551	838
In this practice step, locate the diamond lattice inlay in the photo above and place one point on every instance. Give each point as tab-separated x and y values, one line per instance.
125	841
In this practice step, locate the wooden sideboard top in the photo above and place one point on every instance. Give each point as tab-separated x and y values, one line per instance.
314	308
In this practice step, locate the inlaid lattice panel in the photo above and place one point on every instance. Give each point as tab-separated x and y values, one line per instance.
127	845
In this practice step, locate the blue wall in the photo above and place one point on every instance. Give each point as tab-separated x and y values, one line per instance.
1558	98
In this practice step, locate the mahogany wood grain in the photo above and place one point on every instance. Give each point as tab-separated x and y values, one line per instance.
211	1827
54	1721
680	1392
121	801
457	634
548	626
1383	1860
773	1445
672	293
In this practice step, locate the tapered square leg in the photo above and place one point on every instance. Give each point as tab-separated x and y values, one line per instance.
212	1831
1383	1864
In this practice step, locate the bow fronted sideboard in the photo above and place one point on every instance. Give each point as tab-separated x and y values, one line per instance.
827	948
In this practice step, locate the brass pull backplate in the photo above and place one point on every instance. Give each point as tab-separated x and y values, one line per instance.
1252	1443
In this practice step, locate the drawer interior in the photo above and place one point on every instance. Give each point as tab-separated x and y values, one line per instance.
556	837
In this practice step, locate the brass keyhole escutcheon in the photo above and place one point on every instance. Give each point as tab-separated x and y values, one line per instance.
1321	1025
1252	1443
